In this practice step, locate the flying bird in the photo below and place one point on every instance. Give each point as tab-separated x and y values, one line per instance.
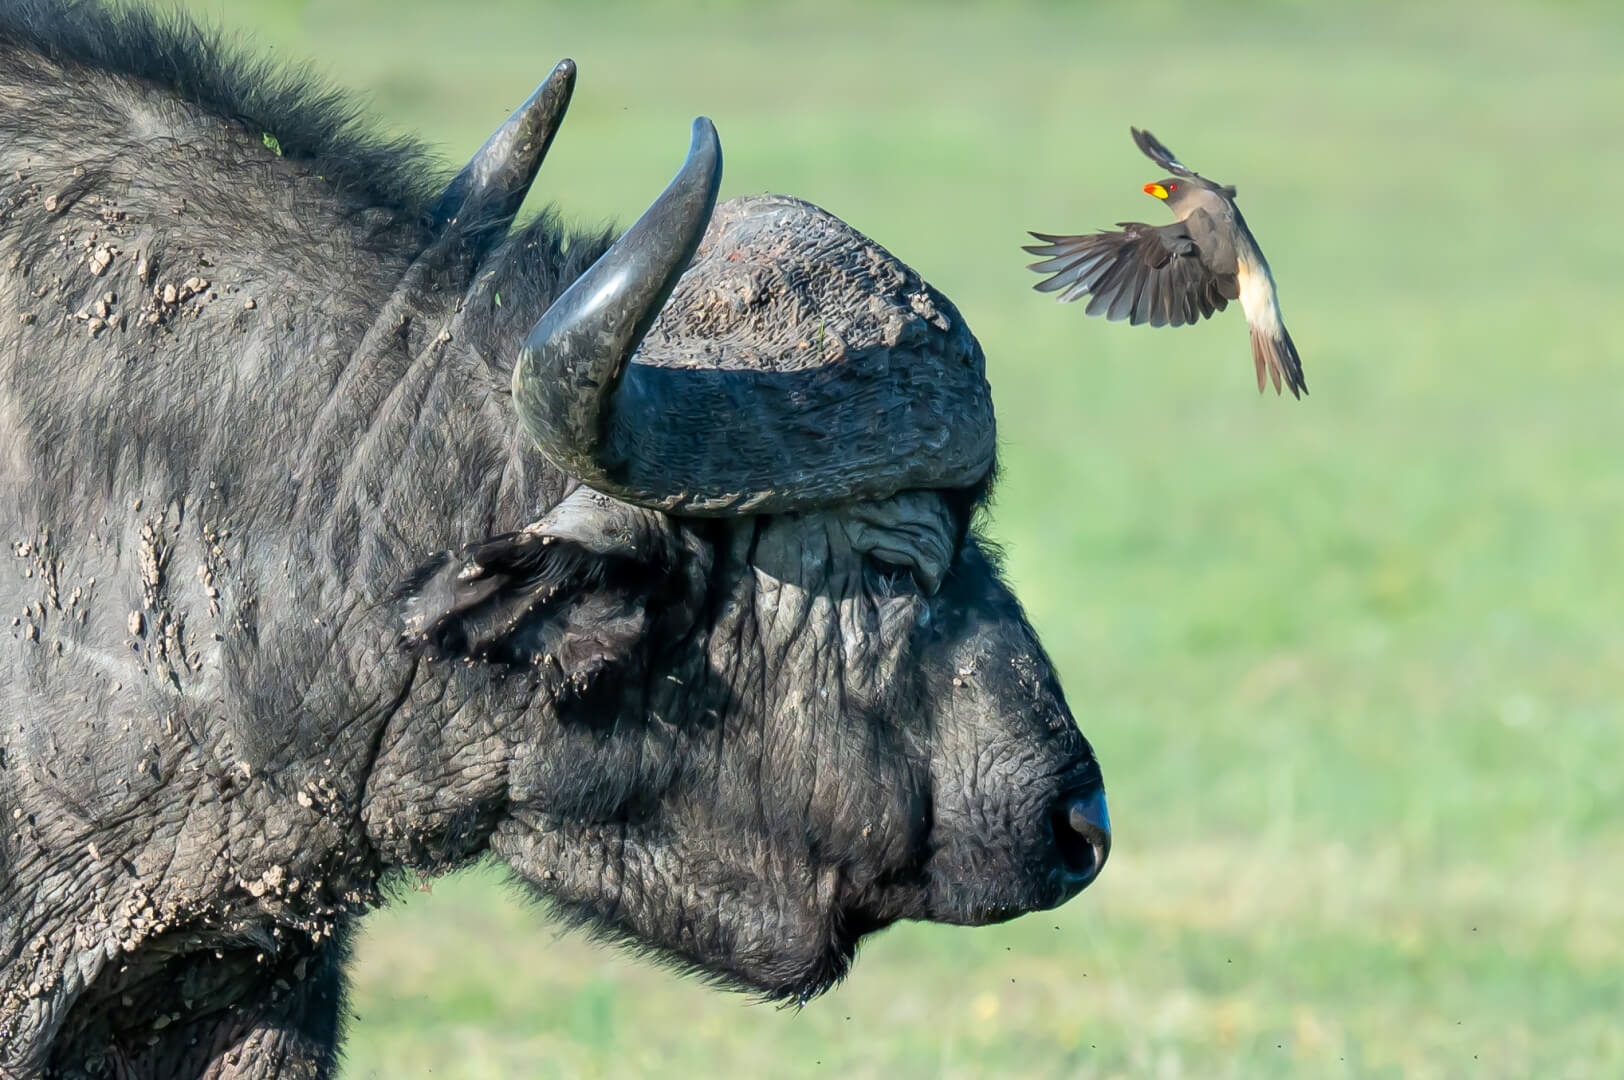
1169	275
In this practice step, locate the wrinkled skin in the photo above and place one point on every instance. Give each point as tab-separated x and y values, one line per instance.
740	743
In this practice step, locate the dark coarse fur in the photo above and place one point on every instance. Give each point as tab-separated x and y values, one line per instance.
312	123
294	606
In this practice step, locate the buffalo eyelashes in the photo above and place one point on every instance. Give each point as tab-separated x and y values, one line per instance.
894	577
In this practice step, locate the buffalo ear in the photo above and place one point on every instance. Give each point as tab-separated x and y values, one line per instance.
572	595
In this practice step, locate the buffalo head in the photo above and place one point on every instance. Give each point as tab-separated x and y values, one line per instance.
759	688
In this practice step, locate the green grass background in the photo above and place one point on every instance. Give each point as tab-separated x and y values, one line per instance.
1353	665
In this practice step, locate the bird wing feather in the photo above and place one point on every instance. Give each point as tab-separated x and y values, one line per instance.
1157	151
1143	273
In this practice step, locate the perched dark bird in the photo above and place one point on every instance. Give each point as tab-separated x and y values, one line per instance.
1169	275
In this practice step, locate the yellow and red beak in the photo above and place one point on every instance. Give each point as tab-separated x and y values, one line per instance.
1156	190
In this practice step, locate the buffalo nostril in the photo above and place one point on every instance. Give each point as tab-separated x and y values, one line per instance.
1082	833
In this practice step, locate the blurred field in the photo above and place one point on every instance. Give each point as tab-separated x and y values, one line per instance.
1354	666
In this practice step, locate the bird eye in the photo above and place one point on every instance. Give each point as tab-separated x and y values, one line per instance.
1172	187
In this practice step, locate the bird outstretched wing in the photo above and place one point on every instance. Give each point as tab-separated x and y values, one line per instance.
1145	274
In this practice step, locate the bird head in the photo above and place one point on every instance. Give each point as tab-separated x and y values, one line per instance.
1170	190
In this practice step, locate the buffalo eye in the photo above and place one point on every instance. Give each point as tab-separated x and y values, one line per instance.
894	577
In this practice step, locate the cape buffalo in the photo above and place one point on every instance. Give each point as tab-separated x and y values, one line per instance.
352	530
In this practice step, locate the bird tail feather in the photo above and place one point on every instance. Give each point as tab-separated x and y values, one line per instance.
1274	355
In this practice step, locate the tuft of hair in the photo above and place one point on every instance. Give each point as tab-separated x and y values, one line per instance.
306	117
789	989
478	602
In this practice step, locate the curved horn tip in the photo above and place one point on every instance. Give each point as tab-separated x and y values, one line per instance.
559	80
562	75
704	160
486	195
704	137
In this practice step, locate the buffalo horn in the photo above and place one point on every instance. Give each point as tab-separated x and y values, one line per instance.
903	404
482	200
564	385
